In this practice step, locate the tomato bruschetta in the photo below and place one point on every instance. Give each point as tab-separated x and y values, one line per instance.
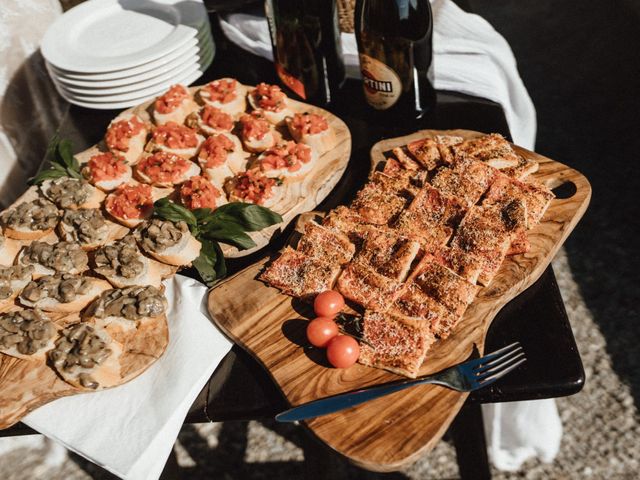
253	186
257	134
173	106
178	139
227	94
220	157
287	159
107	171
272	101
126	137
164	169
198	192
130	203
311	129
209	120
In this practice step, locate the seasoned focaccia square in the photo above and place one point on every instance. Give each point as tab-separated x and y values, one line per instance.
387	252
326	244
465	264
522	170
433	152
467	180
444	285
417	306
492	149
405	161
482	233
429	218
535	196
394	344
300	275
378	204
363	285
399	184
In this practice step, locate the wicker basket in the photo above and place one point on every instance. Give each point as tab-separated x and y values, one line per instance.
345	15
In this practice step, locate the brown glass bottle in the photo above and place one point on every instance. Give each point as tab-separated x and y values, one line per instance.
306	47
395	49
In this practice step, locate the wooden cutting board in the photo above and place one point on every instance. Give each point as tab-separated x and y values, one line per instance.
298	196
388	433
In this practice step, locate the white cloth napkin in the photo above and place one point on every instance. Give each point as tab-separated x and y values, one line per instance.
130	430
472	58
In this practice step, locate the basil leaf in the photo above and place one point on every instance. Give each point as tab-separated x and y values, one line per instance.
206	262
65	153
230	233
248	215
48	174
220	266
169	210
52	148
201	214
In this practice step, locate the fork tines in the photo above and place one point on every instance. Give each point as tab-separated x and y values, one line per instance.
495	365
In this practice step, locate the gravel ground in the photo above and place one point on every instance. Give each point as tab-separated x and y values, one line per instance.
579	62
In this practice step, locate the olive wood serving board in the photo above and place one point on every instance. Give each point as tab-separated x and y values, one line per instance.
28	384
298	196
390	432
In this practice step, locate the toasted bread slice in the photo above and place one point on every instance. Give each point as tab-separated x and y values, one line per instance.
13	279
466	180
363	285
535	196
229	95
50	258
387	252
393	344
169	242
72	193
64	293
300	275
87	357
9	249
26	334
323	243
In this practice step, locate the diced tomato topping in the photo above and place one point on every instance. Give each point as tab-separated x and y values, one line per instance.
120	133
309	123
173	135
252	186
198	192
105	166
223	91
163	167
289	155
215	150
168	102
130	201
216	118
269	97
254	125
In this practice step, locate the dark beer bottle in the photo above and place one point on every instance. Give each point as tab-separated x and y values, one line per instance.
306	47
395	48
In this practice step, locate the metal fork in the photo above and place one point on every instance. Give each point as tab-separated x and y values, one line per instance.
464	377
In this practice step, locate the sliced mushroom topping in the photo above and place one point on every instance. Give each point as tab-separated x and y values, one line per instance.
86	226
64	287
132	303
80	347
123	258
157	235
27	330
11	274
63	257
68	192
39	214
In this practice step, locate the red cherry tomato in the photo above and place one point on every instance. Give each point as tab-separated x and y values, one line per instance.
343	351
328	303
321	330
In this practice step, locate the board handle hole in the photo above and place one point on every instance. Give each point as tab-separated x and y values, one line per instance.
565	190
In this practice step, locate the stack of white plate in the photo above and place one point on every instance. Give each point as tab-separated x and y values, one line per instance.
108	54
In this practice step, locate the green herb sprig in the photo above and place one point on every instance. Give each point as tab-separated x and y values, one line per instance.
62	163
227	224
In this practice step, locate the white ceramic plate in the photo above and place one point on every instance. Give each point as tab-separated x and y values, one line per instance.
109	35
112	105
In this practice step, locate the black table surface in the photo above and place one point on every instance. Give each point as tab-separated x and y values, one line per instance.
240	389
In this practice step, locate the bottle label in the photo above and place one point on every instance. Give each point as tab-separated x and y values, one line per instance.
290	81
382	86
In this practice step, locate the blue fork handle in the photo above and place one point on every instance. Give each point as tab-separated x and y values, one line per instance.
335	403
